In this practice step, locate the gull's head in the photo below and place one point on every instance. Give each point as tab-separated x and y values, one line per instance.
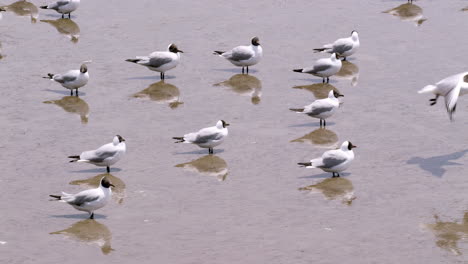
255	41
334	94
173	48
83	68
118	139
354	35
106	183
347	146
221	124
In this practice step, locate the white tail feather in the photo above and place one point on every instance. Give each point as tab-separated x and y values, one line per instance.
428	89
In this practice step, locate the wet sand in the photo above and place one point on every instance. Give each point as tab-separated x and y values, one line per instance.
409	167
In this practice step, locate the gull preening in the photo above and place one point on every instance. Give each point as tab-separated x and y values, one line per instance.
63	6
450	88
73	79
343	47
208	137
321	108
244	56
89	200
104	156
160	61
324	67
334	161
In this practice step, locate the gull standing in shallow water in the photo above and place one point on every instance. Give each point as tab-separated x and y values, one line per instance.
343	47
324	68
244	56
209	137
450	88
334	161
160	61
105	155
63	6
89	200
72	80
322	108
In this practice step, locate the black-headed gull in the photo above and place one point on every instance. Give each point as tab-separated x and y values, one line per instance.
72	80
89	200
208	137
324	68
450	88
160	61
343	47
321	108
244	56
104	156
63	6
334	161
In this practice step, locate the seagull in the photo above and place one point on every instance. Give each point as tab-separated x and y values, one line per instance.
343	47
209	137
450	88
63	6
105	155
244	56
73	79
160	61
334	161
322	108
324	68
89	200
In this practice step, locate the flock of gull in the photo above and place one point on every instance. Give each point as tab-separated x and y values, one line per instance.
333	161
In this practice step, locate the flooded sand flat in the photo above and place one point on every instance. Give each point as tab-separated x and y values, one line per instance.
256	214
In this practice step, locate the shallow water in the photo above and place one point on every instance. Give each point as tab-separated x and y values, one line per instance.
409	162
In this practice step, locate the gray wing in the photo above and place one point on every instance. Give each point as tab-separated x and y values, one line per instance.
332	158
67	77
158	61
81	199
58	4
239	54
101	156
319	110
200	139
342	46
318	67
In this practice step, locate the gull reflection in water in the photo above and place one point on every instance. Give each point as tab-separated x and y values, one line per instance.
464	9
23	8
162	92
1	55
408	12
66	27
91	232
448	234
118	192
334	189
210	165
320	90
246	85
349	71
74	105
321	137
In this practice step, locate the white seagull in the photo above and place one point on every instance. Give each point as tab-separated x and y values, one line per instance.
244	56
63	6
72	80
450	88
89	200
160	61
334	161
322	108
324	68
105	155
343	47
209	137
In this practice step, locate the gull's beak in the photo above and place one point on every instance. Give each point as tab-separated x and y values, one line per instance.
178	50
354	146
340	95
226	124
112	185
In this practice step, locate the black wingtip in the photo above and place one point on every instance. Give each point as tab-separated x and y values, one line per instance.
297	109
179	139
319	50
297	70
56	196
217	52
133	60
43	7
74	157
304	164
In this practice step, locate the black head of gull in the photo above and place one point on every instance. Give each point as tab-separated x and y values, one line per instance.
121	139
337	94
224	123
173	48
351	146
106	183
255	41
83	68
